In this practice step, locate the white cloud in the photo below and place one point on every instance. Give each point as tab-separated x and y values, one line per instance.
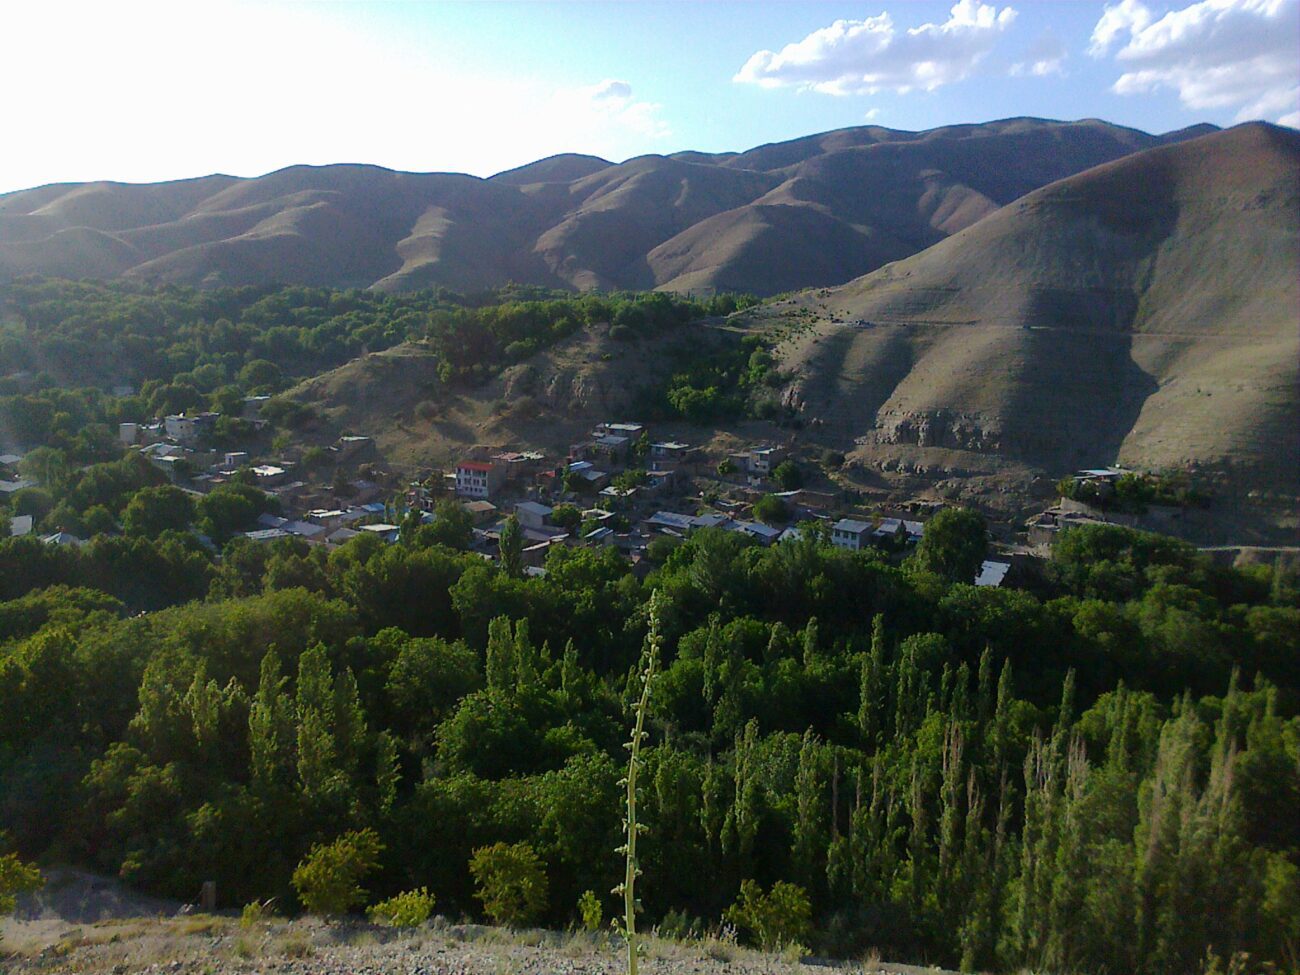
866	56
871	114
612	104
1045	56
1234	54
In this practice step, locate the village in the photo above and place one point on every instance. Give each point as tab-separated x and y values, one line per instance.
619	487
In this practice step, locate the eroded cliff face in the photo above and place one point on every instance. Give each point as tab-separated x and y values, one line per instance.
939	428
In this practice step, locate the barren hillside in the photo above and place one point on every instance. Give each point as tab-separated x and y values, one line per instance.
1146	311
810	212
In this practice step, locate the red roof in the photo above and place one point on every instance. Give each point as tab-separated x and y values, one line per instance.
473	465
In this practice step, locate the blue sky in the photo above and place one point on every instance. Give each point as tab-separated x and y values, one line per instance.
142	91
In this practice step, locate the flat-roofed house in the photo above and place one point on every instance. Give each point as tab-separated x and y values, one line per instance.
851	534
478	479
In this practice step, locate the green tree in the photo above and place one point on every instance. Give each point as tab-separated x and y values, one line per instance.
954	545
511	881
772	510
452	526
154	510
16	877
787	476
512	548
328	879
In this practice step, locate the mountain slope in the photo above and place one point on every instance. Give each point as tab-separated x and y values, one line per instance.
1145	311
809	212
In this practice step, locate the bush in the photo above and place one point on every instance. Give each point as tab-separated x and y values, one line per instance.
511	881
590	911
779	918
16	878
408	909
328	879
255	912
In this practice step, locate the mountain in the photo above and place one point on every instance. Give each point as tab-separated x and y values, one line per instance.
1145	311
810	212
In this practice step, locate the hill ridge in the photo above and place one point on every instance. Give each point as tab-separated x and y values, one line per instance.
865	195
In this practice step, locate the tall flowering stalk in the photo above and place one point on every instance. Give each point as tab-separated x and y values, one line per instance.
631	827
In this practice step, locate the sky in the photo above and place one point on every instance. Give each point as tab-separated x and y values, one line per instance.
144	91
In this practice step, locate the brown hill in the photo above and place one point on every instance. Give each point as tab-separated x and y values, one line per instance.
1146	311
809	212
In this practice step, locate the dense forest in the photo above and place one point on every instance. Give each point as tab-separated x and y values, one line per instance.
1098	770
1101	774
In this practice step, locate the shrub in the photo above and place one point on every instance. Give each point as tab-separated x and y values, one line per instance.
777	919
255	912
408	909
328	879
511	881
590	911
16	878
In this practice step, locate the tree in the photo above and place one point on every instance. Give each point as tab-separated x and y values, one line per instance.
566	516
452	526
16	877
954	545
511	880
787	476
154	510
726	467
260	374
512	548
771	510
328	879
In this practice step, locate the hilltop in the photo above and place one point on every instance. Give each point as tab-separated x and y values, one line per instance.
1144	312
805	213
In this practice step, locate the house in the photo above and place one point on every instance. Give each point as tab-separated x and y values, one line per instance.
387	533
63	538
9	487
517	464
669	454
480	512
234	460
267	535
188	428
632	431
531	514
890	531
128	433
586	470
992	573
478	479
268	474
304	529
915	531
617	494
20	525
851	534
349	446
340	536
659	481
612	447
766	534
763	459
672	523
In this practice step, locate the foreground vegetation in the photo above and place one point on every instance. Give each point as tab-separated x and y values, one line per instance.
1097	774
